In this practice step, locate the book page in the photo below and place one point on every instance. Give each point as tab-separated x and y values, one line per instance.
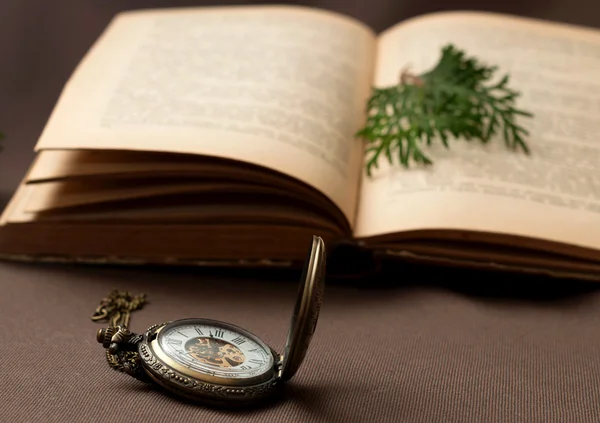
72	165
553	194
280	87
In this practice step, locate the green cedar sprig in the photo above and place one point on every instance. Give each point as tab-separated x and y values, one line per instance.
448	100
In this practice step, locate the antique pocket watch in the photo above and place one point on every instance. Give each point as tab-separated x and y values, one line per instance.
209	361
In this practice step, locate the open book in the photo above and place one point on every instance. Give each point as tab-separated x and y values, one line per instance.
225	135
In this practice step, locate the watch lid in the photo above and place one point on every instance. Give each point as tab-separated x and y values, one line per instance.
306	310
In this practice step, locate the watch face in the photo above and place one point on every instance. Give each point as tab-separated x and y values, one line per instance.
215	349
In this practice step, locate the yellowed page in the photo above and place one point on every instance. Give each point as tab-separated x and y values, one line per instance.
281	87
57	195
71	164
553	194
207	213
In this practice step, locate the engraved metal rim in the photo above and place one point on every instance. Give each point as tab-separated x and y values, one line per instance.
198	390
203	377
306	310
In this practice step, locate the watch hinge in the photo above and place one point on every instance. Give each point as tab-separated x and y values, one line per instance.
279	365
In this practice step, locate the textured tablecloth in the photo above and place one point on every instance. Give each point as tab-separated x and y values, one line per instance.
424	348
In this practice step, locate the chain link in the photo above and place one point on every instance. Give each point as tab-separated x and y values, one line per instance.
117	307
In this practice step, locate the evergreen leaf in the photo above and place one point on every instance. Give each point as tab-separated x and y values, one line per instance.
449	100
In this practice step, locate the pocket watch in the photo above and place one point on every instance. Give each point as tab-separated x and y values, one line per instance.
209	361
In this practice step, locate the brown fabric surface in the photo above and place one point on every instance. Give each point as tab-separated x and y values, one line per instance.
490	348
401	354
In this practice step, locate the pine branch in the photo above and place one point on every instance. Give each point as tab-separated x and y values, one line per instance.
450	100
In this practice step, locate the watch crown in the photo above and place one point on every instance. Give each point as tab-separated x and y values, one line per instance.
105	335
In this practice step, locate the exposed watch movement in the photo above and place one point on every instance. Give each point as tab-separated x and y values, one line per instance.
210	361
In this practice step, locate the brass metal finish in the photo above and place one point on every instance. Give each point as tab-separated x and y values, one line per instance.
105	335
204	377
306	312
117	308
208	393
142	356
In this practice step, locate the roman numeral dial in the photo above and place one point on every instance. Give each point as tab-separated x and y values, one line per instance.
215	350
238	341
216	333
